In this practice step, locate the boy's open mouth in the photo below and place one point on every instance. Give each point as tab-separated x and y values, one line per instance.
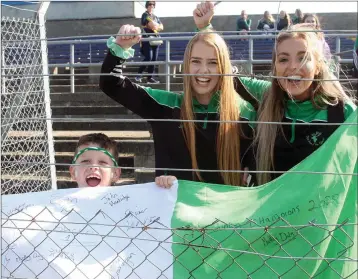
93	180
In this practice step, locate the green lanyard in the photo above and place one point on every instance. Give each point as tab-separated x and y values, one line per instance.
79	153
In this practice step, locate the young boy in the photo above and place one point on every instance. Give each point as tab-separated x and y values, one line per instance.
96	158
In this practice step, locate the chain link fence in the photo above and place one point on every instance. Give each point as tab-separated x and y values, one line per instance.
101	247
24	96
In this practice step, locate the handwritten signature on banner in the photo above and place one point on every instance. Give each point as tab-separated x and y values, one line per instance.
105	231
88	231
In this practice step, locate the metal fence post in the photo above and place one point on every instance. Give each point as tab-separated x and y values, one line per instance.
46	85
72	62
251	54
337	60
167	65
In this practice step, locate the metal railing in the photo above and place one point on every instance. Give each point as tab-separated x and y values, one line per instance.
168	62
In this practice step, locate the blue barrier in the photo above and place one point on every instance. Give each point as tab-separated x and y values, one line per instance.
239	49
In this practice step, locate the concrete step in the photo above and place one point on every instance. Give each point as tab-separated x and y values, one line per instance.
115	135
29	151
89	125
125	125
144	176
78	88
17	137
95	87
82	99
78	70
89	111
80	80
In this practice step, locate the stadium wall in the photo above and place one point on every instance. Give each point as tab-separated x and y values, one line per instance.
343	21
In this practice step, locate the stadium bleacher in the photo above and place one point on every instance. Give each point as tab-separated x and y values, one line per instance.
95	52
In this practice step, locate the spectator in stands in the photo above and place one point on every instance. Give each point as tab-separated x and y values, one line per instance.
151	25
314	20
298	17
204	145
266	23
243	24
303	92
96	159
284	21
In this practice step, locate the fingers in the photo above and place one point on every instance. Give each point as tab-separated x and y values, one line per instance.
199	10
129	32
165	181
203	8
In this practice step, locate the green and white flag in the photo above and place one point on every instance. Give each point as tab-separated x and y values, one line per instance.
301	225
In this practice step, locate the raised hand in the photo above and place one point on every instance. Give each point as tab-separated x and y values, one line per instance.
203	14
130	35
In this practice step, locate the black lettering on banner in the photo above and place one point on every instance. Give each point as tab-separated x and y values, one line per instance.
18	209
113	199
319	204
264	221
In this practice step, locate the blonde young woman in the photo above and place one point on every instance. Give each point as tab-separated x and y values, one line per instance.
288	98
185	145
284	21
312	19
267	22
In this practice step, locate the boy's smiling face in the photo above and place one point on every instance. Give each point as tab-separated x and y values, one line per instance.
95	169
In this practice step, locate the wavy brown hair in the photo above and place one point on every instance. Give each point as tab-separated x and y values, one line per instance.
228	141
323	93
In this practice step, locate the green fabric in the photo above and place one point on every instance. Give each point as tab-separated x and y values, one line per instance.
305	111
212	107
356	44
165	98
94	148
256	87
174	100
248	112
293	131
119	51
290	200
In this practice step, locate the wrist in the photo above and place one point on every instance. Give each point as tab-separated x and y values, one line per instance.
201	27
118	50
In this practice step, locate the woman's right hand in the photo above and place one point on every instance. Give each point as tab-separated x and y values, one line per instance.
203	14
130	35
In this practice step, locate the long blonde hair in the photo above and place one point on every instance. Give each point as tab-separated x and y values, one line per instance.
272	109
228	141
268	16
